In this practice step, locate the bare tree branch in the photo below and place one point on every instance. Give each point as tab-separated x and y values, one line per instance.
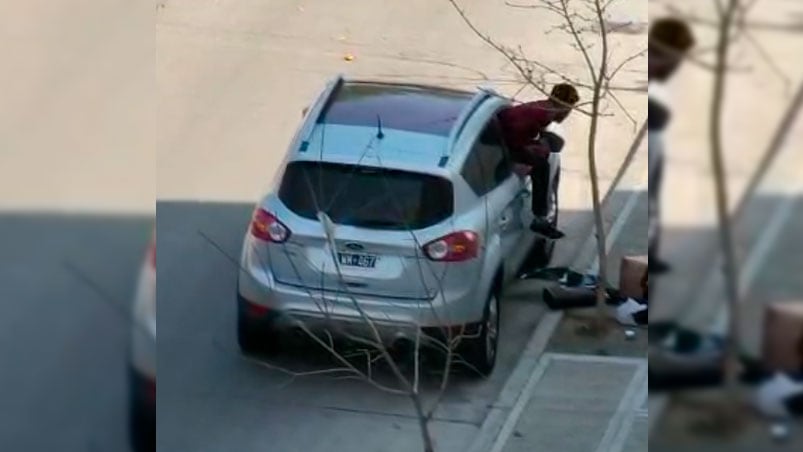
527	6
525	72
568	17
762	52
624	110
624	63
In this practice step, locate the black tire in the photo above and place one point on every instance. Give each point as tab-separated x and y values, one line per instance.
248	336
142	432
480	353
141	421
256	337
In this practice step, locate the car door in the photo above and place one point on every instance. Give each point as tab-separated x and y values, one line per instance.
512	197
490	167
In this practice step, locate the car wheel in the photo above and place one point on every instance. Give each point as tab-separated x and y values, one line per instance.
480	352
141	426
256	336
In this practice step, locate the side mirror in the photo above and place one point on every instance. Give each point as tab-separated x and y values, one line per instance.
304	111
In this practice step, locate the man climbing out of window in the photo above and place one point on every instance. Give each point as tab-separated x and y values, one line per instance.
670	40
524	129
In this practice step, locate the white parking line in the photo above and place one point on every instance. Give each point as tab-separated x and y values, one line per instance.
521	403
618	225
621	424
759	253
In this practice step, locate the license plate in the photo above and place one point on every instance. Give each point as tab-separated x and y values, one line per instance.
357	260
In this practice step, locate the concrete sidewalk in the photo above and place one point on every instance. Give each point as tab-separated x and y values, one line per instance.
573	392
580	403
576	398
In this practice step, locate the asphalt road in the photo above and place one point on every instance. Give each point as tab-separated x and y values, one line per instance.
233	78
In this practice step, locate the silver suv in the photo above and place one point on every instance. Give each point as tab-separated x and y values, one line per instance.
396	203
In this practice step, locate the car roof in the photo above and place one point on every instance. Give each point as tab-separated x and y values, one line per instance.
358	145
418	124
408	107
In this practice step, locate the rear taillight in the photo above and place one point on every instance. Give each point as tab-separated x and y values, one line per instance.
455	247
265	226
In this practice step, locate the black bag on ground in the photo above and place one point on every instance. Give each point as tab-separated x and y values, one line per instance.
561	297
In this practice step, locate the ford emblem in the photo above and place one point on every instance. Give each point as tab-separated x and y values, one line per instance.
355	246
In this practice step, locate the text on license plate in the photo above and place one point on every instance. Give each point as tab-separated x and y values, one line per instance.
357	260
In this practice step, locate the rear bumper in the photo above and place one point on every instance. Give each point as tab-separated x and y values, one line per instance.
344	326
260	296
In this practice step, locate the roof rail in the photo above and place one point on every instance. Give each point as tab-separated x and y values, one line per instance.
320	106
487	87
460	124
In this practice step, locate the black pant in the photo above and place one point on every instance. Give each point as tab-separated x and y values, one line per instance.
654	201
539	175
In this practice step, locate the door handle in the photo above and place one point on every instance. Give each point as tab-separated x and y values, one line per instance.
523	193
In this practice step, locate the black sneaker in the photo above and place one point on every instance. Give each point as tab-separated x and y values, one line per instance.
541	226
657	266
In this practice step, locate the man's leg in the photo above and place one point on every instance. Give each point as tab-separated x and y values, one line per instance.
539	174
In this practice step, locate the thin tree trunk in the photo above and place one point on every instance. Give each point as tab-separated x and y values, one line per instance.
423	423
599	224
725	231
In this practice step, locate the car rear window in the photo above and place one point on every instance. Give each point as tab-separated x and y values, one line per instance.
368	197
